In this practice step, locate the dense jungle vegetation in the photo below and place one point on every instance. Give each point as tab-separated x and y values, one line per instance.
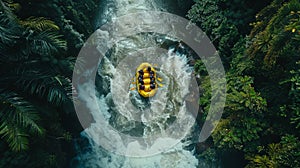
39	43
258	41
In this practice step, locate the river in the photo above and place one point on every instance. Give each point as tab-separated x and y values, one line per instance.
124	110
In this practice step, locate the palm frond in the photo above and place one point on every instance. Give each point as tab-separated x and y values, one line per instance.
45	43
31	37
40	80
7	12
39	23
7	26
56	89
20	111
17	140
14	6
18	119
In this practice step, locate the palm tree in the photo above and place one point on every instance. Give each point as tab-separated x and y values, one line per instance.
33	68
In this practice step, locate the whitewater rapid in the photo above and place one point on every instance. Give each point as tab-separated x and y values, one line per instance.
137	133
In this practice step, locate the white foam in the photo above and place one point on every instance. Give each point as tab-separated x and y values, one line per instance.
176	66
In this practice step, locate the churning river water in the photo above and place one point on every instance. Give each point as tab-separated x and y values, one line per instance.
120	112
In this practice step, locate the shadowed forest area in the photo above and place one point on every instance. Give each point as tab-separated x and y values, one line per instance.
258	42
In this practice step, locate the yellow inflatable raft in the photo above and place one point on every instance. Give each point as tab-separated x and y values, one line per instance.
146	80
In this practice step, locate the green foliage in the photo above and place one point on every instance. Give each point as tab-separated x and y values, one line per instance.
74	18
286	153
39	24
35	86
274	51
209	156
215	24
242	96
272	39
241	62
242	121
240	13
292	110
18	120
30	61
39	42
263	92
225	22
294	25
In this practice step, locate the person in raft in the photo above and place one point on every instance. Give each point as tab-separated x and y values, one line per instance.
152	79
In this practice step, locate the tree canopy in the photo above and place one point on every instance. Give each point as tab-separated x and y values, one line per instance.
261	116
37	55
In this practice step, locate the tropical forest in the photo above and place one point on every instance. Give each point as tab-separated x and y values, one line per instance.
76	92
